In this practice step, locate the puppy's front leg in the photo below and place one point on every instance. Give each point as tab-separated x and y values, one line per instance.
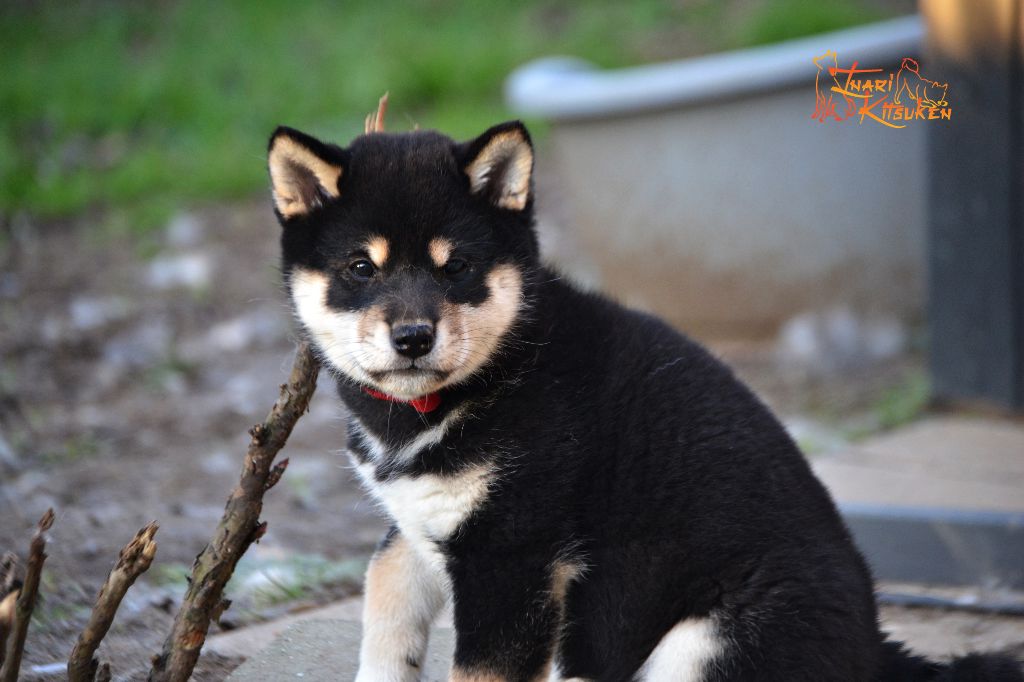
403	595
508	615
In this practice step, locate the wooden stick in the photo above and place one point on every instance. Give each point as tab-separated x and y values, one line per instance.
239	527
9	587
26	600
375	121
134	559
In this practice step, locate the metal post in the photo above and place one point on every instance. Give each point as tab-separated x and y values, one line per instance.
976	201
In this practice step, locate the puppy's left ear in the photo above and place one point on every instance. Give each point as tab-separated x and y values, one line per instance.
304	172
499	165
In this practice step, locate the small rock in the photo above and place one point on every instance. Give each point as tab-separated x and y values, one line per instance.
250	330
141	346
798	340
92	416
105	511
8	457
51	330
89	549
174	383
218	462
10	285
190	270
257	328
184	230
150	438
30	484
842	335
105	377
244	393
91	312
142	597
885	338
838	338
49	668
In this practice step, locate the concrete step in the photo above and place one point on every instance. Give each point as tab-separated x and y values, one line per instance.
938	501
313	650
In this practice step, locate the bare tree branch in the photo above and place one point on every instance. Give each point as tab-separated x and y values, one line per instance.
239	527
26	600
134	559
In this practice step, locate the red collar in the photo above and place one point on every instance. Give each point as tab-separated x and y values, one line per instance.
425	403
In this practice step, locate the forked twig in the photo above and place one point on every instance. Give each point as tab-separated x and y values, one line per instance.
134	559
240	526
26	602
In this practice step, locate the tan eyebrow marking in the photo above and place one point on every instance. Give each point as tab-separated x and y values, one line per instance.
377	248
440	250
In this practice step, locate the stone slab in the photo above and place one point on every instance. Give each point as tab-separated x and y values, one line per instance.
954	462
329	650
249	641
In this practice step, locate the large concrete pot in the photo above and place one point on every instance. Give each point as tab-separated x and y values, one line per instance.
705	190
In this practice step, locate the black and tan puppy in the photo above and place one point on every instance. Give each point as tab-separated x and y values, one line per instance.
600	498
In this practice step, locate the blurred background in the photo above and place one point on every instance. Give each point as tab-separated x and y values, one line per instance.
866	281
146	107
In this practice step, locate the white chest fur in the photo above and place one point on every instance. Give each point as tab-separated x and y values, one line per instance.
429	508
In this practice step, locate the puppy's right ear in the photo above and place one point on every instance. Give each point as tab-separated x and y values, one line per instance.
499	164
304	172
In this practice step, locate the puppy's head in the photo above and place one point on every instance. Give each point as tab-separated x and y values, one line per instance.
406	255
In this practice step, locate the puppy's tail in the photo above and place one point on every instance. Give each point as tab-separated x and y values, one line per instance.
899	665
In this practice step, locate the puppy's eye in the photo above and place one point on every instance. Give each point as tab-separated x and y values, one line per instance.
362	269
456	269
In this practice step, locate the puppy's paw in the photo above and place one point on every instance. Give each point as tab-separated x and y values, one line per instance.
389	671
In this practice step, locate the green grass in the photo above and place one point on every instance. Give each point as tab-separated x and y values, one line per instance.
140	107
899	405
76	448
787	19
904	403
262	582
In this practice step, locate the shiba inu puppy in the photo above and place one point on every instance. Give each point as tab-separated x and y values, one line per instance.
599	497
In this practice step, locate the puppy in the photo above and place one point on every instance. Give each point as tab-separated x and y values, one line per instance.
597	495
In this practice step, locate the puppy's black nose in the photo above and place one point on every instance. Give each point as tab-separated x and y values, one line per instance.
413	340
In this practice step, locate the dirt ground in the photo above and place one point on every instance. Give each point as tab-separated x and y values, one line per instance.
132	368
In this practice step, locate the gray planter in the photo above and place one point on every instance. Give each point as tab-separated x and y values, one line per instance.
704	190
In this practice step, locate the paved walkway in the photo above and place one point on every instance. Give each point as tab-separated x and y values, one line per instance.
965	463
329	650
